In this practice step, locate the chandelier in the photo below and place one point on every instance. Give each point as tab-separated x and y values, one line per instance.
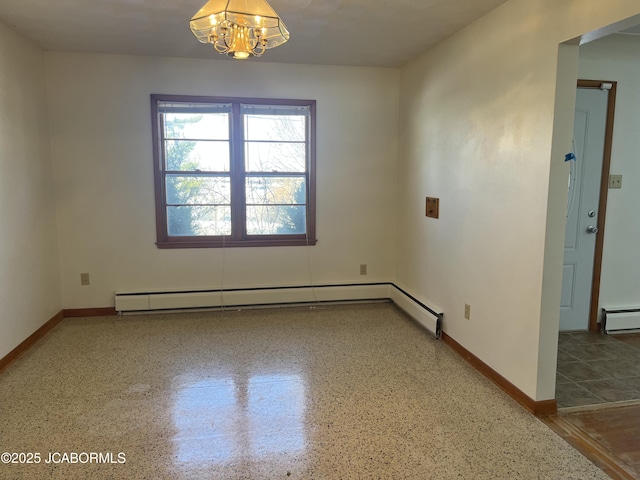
239	28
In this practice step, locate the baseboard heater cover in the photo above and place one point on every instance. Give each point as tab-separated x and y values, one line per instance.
621	320
183	300
139	302
429	317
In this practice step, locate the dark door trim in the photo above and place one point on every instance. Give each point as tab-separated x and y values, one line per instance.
604	191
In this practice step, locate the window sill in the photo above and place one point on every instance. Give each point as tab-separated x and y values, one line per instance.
209	243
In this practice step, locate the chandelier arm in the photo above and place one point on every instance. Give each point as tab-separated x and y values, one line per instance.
225	37
258	51
220	49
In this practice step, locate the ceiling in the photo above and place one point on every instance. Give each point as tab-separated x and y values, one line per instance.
631	31
385	33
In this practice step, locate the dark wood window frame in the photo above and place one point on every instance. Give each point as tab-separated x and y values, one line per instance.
238	175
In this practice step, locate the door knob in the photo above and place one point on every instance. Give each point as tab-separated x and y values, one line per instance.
592	229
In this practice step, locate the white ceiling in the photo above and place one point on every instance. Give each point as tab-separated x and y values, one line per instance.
334	32
632	31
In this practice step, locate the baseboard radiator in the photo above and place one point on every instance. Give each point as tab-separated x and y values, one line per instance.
140	302
429	317
621	320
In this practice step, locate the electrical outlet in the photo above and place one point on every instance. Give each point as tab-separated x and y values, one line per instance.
467	311
615	181
84	279
363	269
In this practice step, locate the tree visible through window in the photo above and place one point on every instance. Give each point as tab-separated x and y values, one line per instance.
233	172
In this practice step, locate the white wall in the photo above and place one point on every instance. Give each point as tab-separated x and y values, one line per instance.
476	124
29	271
101	148
477	117
617	58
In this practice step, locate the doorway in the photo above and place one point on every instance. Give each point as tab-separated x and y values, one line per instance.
586	206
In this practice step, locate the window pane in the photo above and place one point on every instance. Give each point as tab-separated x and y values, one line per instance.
282	220
220	160
189	155
196	190
197	126
196	221
276	190
290	128
275	157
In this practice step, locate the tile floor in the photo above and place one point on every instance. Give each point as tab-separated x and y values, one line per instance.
336	392
594	369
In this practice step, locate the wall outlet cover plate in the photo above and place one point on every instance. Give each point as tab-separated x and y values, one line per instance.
433	207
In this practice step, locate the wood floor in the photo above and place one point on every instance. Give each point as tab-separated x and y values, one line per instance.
608	436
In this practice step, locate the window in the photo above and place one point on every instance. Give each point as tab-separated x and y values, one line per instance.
233	172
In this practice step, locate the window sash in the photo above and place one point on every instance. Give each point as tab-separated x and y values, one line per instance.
242	206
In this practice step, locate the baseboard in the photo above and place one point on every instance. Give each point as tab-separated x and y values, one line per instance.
540	409
88	312
31	340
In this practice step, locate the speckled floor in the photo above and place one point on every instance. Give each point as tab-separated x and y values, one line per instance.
337	392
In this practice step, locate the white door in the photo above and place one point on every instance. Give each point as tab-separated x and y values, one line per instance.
582	208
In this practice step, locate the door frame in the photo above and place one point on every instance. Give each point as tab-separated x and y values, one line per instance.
604	191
